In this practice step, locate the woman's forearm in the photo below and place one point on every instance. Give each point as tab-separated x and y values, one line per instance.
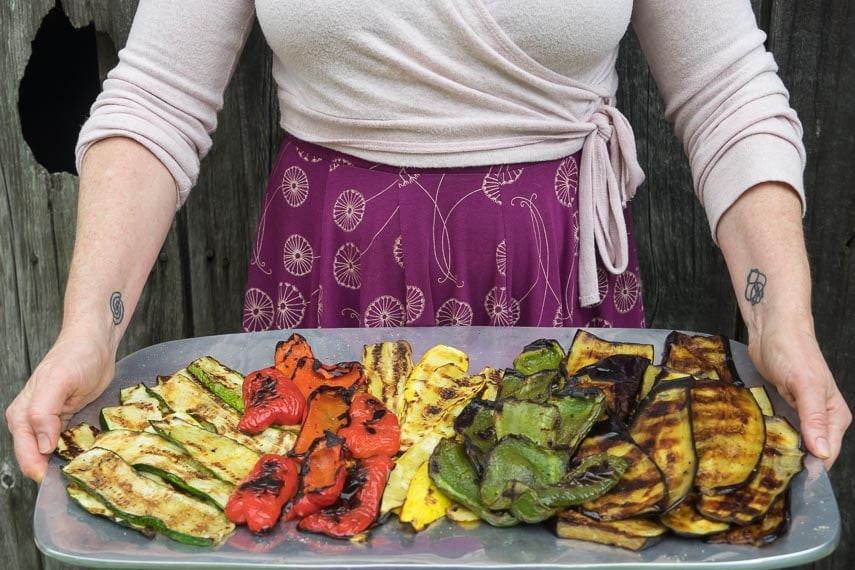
125	208
762	240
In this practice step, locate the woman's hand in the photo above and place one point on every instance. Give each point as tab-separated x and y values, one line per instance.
73	373
789	356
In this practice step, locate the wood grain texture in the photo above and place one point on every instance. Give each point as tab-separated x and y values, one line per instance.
196	286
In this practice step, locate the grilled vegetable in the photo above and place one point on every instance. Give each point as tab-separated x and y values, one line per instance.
685	520
587	348
145	503
438	383
226	383
93	506
699	354
590	478
289	354
454	474
535	387
476	428
359	505
270	399
75	440
781	461
640	491
181	393
311	374
729	434
226	458
151	453
632	534
387	365
405	469
537	422
762	396
326	411
260	497
424	502
542	354
131	416
769	528
619	377
372	430
323	471
662	428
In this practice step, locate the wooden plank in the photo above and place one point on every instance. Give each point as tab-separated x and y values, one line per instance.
814	45
222	211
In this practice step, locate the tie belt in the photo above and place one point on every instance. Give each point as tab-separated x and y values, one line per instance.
609	174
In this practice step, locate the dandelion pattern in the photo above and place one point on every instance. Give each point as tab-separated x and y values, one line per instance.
454	313
484	246
385	311
290	306
295	186
297	255
257	310
348	210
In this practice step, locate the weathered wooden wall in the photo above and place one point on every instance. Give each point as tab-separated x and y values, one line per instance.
197	285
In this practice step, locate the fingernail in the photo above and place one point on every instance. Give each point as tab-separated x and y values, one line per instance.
822	449
44	444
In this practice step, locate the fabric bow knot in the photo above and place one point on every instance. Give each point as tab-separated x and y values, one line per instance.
609	174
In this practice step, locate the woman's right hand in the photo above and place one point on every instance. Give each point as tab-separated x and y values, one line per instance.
73	373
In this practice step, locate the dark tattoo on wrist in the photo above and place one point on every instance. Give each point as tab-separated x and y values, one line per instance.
754	285
117	307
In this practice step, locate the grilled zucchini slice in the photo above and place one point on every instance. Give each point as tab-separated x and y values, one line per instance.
226	458
145	503
221	380
152	453
387	365
75	440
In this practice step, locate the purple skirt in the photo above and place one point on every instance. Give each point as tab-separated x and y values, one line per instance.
344	242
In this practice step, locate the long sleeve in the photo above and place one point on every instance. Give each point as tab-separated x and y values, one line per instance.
724	97
168	87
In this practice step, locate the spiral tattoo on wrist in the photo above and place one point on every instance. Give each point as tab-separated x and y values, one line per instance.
754	286
117	307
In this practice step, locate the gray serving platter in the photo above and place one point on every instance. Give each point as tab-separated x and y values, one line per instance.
65	532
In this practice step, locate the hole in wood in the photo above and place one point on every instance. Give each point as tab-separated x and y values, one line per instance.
60	84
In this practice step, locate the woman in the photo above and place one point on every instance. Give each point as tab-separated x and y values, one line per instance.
488	127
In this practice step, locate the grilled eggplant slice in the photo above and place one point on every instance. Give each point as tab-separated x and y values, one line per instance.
587	348
685	520
782	460
75	440
729	433
640	491
632	534
152	453
143	502
662	428
221	380
769	528
619	377
226	458
762	396
699	354
387	365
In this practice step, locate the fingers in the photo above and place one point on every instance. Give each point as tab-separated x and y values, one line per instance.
32	462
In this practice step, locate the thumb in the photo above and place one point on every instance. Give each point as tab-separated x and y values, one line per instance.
813	420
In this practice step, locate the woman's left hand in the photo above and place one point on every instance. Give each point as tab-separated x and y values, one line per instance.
789	357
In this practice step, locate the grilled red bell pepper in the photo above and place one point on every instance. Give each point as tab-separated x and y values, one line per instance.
310	374
326	411
260	497
323	472
359	505
373	429
290	352
270	398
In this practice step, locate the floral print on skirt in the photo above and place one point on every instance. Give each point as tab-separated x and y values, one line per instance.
344	242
